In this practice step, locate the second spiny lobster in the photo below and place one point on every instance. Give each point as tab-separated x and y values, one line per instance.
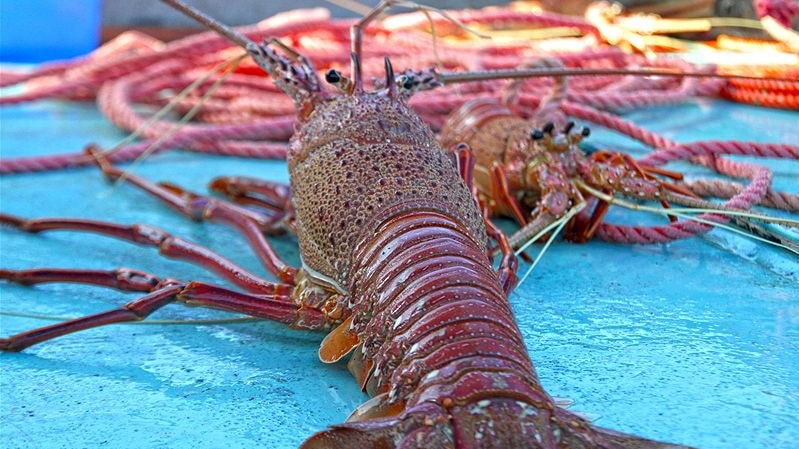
532	168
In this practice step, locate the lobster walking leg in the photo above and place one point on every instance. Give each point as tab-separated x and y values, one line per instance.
464	160
167	244
270	196
273	307
502	193
198	207
123	279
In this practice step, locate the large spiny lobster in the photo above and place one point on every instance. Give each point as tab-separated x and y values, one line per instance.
111	172
441	353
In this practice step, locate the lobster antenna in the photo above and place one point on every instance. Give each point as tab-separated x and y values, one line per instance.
485	75
721	211
558	225
426	10
213	24
711	208
433	37
356	31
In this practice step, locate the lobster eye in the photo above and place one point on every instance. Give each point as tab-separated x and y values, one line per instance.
537	135
333	76
549	128
406	82
586	132
568	128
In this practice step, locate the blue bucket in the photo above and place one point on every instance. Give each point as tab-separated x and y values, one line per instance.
42	30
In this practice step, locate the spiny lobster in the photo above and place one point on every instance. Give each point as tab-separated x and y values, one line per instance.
458	188
529	169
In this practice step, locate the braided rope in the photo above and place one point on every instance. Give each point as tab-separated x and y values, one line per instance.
720	188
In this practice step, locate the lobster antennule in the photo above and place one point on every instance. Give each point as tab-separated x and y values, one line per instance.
391	83
356	72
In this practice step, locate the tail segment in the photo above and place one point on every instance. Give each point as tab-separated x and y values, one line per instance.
431	430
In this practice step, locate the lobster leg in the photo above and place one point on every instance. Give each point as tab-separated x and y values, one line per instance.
272	196
464	159
616	172
541	219
200	207
583	229
123	279
499	185
269	195
272	307
508	264
168	245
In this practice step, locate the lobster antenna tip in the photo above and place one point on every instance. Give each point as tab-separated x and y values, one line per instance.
519	73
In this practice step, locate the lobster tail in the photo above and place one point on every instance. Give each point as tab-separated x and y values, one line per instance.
462	429
610	439
441	352
376	434
513	425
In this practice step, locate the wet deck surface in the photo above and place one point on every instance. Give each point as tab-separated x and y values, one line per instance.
694	342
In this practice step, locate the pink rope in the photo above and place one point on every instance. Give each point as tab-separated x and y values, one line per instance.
129	153
616	123
720	188
715	147
781	10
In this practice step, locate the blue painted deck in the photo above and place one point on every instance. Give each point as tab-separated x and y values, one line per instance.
695	342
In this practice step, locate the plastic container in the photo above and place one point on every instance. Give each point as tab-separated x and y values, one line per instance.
42	30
